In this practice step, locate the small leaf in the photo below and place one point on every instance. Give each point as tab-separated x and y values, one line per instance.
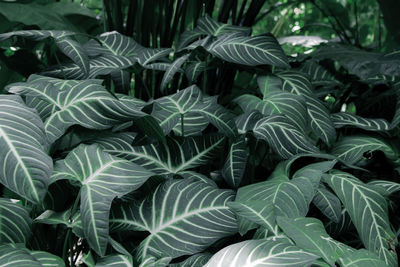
235	163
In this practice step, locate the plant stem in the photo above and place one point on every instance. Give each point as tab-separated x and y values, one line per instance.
182	127
66	240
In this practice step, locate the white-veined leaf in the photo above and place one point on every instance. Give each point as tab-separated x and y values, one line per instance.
199	259
389	187
328	203
12	256
183	217
277	102
320	122
249	50
246	121
235	163
115	261
26	168
172	69
347	119
283	137
193	70
148	55
318	74
186	38
209	26
368	211
361	258
64	217
62	39
102	177
268	83
261	253
77	102
15	223
178	154
47	259
309	234
352	148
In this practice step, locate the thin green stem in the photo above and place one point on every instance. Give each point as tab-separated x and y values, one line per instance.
65	245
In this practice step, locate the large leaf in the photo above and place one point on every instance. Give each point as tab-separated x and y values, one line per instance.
171	70
283	137
211	27
310	235
199	259
62	39
115	260
347	119
47	259
251	51
389	187
268	83
361	258
235	162
299	83
15	223
352	148
26	168
177	155
182	216
12	255
102	177
261	253
277	102
86	103
369	213
328	203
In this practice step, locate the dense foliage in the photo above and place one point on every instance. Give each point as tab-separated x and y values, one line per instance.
220	150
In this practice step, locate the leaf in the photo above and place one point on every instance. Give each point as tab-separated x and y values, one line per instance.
389	187
268	83
368	211
283	137
182	216
352	148
347	119
172	69
47	259
277	102
299	83
149	55
235	163
86	103
26	168
193	70
328	203
15	223
102	177
318	74
262	253
209	26
13	256
246	121
168	110
186	38
62	39
115	260
54	218
361	258
309	234
178	154
199	259
250	51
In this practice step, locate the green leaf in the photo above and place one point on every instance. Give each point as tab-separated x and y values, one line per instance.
368	211
47	259
352	148
168	110
54	218
149	55
328	203
13	256
251	51
268	83
26	168
318	74
246	121
172	69
389	187
310	235
199	259
262	253
209	26
62	39
115	260
102	177
193	70
361	258
283	137
235	163
15	223
86	103
178	154
347	119
277	102
182	216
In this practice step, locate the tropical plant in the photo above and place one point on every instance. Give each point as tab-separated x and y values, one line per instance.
239	155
